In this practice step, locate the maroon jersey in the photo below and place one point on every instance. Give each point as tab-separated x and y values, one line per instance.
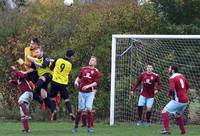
178	86
87	76
21	81
148	81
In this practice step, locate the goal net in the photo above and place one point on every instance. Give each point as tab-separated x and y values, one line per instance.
130	53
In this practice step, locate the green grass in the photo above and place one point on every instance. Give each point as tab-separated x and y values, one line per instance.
64	129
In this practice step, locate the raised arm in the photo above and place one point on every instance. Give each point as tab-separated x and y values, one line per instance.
13	82
34	60
53	63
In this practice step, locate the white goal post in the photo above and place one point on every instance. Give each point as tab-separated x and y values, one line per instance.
125	46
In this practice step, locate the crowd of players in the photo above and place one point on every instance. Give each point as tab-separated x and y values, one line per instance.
40	71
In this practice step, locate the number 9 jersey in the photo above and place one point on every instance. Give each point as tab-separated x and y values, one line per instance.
178	86
61	71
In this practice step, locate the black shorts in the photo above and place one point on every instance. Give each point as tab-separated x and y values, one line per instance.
48	78
56	87
33	76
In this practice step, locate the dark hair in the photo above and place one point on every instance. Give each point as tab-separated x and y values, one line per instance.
69	53
175	68
35	40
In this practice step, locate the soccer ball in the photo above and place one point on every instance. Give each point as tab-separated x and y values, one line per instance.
68	2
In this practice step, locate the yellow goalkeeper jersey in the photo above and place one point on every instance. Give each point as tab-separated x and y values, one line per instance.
28	51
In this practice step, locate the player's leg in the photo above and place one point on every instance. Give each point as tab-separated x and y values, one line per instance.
89	103
81	108
84	119
24	102
40	82
38	87
58	100
44	79
44	92
149	104
141	103
179	120
179	117
37	96
52	94
33	76
171	107
43	83
25	122
65	95
47	102
25	98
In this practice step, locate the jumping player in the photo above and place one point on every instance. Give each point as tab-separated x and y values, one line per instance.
61	70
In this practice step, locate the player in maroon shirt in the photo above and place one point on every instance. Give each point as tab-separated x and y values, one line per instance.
178	86
25	98
148	80
87	83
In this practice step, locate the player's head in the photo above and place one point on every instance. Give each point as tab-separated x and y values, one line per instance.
69	53
13	73
149	67
173	69
93	61
38	52
34	43
41	52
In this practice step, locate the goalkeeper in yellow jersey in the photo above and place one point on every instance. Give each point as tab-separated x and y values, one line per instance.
30	51
29	66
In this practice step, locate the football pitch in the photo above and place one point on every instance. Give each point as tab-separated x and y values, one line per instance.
101	129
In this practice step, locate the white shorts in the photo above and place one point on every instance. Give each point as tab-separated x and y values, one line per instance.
148	101
85	100
175	107
26	97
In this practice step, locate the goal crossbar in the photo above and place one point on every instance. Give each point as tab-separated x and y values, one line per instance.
157	36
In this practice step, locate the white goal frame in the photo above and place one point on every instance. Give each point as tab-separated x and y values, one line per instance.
113	61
